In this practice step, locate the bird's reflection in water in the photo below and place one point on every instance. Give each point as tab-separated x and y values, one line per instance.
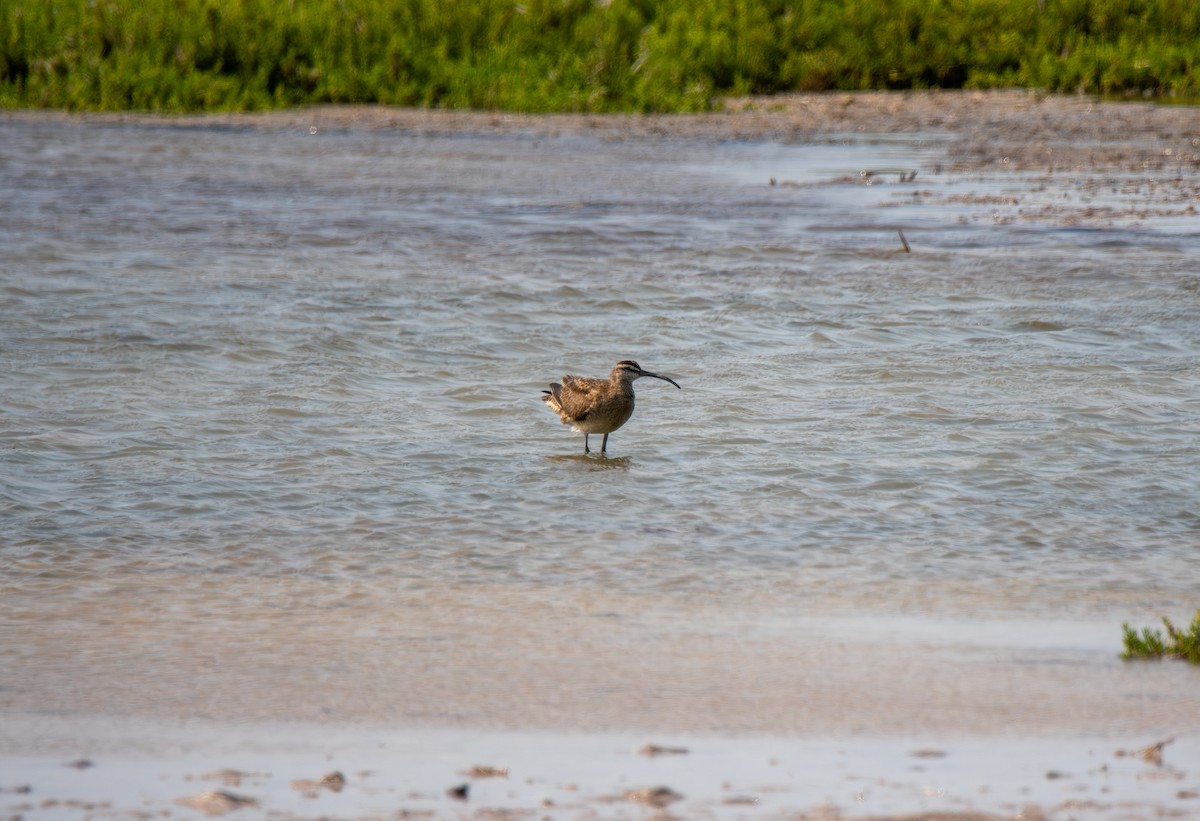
593	461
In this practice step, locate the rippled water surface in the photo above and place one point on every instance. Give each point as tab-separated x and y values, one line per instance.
266	353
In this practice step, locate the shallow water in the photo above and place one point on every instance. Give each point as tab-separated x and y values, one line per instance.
241	357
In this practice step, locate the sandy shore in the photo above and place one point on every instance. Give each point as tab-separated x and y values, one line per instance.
97	768
781	714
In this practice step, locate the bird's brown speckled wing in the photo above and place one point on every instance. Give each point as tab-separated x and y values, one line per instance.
578	396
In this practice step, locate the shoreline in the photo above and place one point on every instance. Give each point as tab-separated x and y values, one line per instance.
504	659
974	730
1013	156
113	769
1007	129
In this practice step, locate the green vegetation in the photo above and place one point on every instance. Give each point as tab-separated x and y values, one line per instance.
1182	644
575	55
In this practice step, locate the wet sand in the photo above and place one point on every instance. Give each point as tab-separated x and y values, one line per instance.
590	706
932	728
503	658
95	768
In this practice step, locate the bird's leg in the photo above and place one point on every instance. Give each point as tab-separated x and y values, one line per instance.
585	447
604	444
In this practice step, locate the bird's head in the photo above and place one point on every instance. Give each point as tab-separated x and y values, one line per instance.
627	370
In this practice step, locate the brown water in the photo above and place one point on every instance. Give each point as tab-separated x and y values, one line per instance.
271	444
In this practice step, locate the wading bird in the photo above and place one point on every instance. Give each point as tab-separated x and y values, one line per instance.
597	405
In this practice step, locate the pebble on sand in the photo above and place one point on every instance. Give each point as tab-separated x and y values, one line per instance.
652	750
334	782
657	797
229	777
486	771
1152	754
216	802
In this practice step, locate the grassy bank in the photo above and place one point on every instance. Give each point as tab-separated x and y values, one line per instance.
575	55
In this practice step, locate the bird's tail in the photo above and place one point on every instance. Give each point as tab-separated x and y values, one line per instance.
550	397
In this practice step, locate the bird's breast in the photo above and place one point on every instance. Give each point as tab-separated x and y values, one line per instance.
605	417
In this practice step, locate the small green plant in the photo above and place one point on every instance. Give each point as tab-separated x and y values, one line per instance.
1152	644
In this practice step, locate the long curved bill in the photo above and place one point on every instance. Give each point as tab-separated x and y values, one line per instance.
663	378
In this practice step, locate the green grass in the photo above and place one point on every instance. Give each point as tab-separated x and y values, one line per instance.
575	55
1152	644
